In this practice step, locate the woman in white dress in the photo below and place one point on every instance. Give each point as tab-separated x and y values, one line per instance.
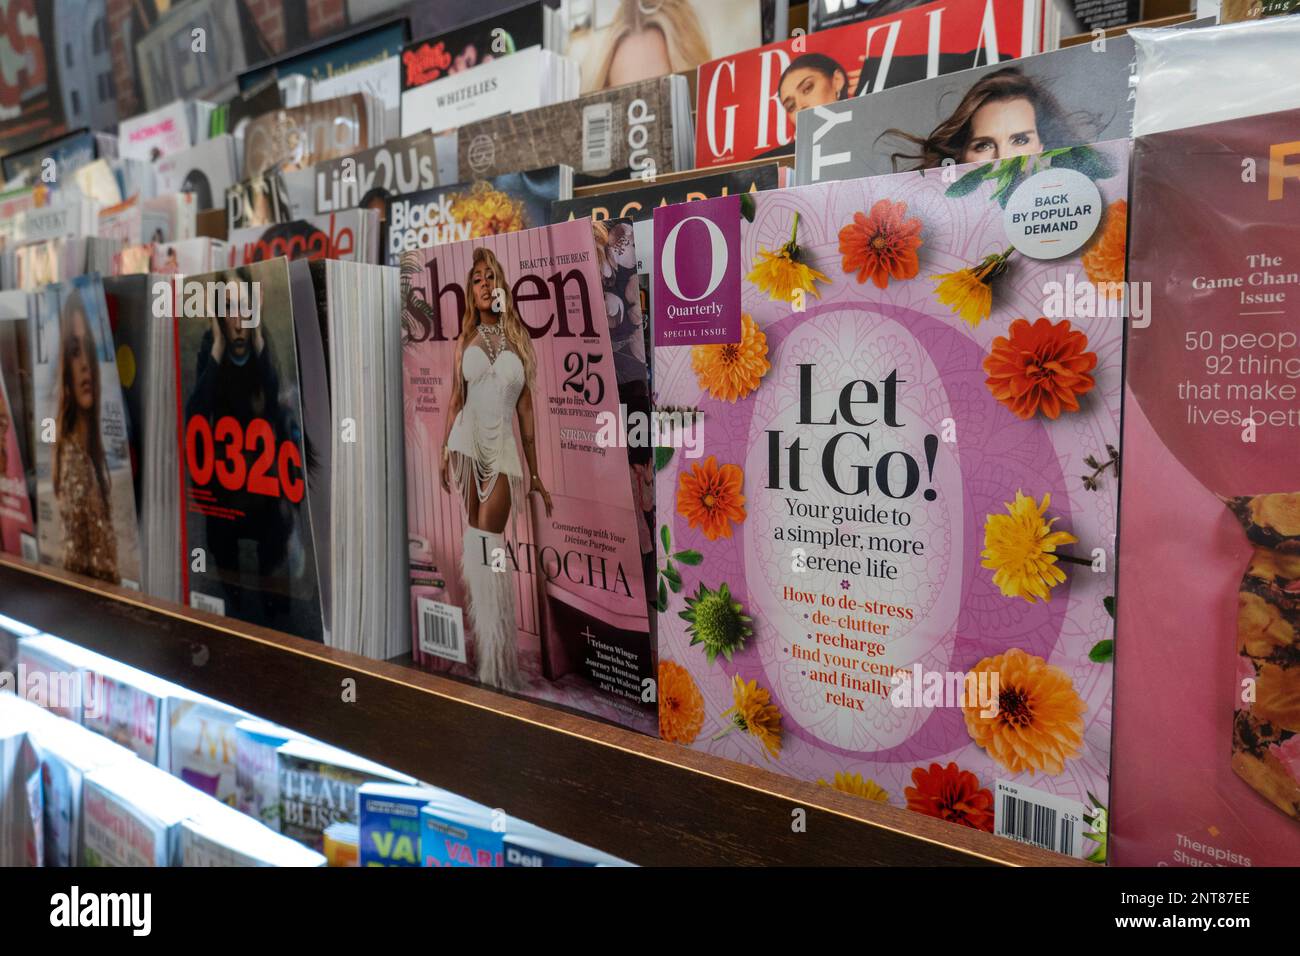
495	372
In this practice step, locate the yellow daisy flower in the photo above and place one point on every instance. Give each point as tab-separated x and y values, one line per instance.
854	784
969	292
755	714
781	275
1020	546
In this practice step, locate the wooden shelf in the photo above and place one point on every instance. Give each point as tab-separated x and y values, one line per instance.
640	798
1171	20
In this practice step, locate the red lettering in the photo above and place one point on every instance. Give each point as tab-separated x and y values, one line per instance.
291	481
195	432
233	471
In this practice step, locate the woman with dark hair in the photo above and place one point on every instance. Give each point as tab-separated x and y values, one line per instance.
197	182
1004	114
813	79
81	479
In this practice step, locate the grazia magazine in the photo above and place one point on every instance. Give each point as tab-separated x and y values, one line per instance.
889	569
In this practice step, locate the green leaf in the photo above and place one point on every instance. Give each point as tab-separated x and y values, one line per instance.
689	557
747	208
968	183
663	598
665	537
674	578
1109	604
1012	176
1086	160
1103	652
662	457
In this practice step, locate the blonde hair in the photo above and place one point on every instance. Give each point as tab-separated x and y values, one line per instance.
600	232
674	19
517	337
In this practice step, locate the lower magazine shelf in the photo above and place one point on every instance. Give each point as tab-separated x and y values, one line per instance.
639	798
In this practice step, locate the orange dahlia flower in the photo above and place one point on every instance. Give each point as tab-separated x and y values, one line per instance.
1104	262
1043	366
882	246
709	497
951	794
1039	719
731	371
681	706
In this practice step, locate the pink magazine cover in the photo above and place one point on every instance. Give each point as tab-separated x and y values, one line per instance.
525	540
17	529
889	553
1207	768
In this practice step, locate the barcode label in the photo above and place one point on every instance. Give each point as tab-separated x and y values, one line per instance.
27	544
203	602
597	137
442	630
1041	819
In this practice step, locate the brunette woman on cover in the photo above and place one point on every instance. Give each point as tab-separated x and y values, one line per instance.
493	386
813	79
82	484
1004	114
649	39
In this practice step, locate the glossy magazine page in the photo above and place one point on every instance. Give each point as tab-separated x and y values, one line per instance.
300	137
86	509
17	530
247	542
628	40
470	210
350	234
526	543
747	102
1208	696
16	329
495	36
1080	94
887	541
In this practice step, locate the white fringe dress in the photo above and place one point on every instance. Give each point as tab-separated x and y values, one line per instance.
481	449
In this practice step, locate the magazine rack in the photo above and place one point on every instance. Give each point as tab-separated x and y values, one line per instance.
639	798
